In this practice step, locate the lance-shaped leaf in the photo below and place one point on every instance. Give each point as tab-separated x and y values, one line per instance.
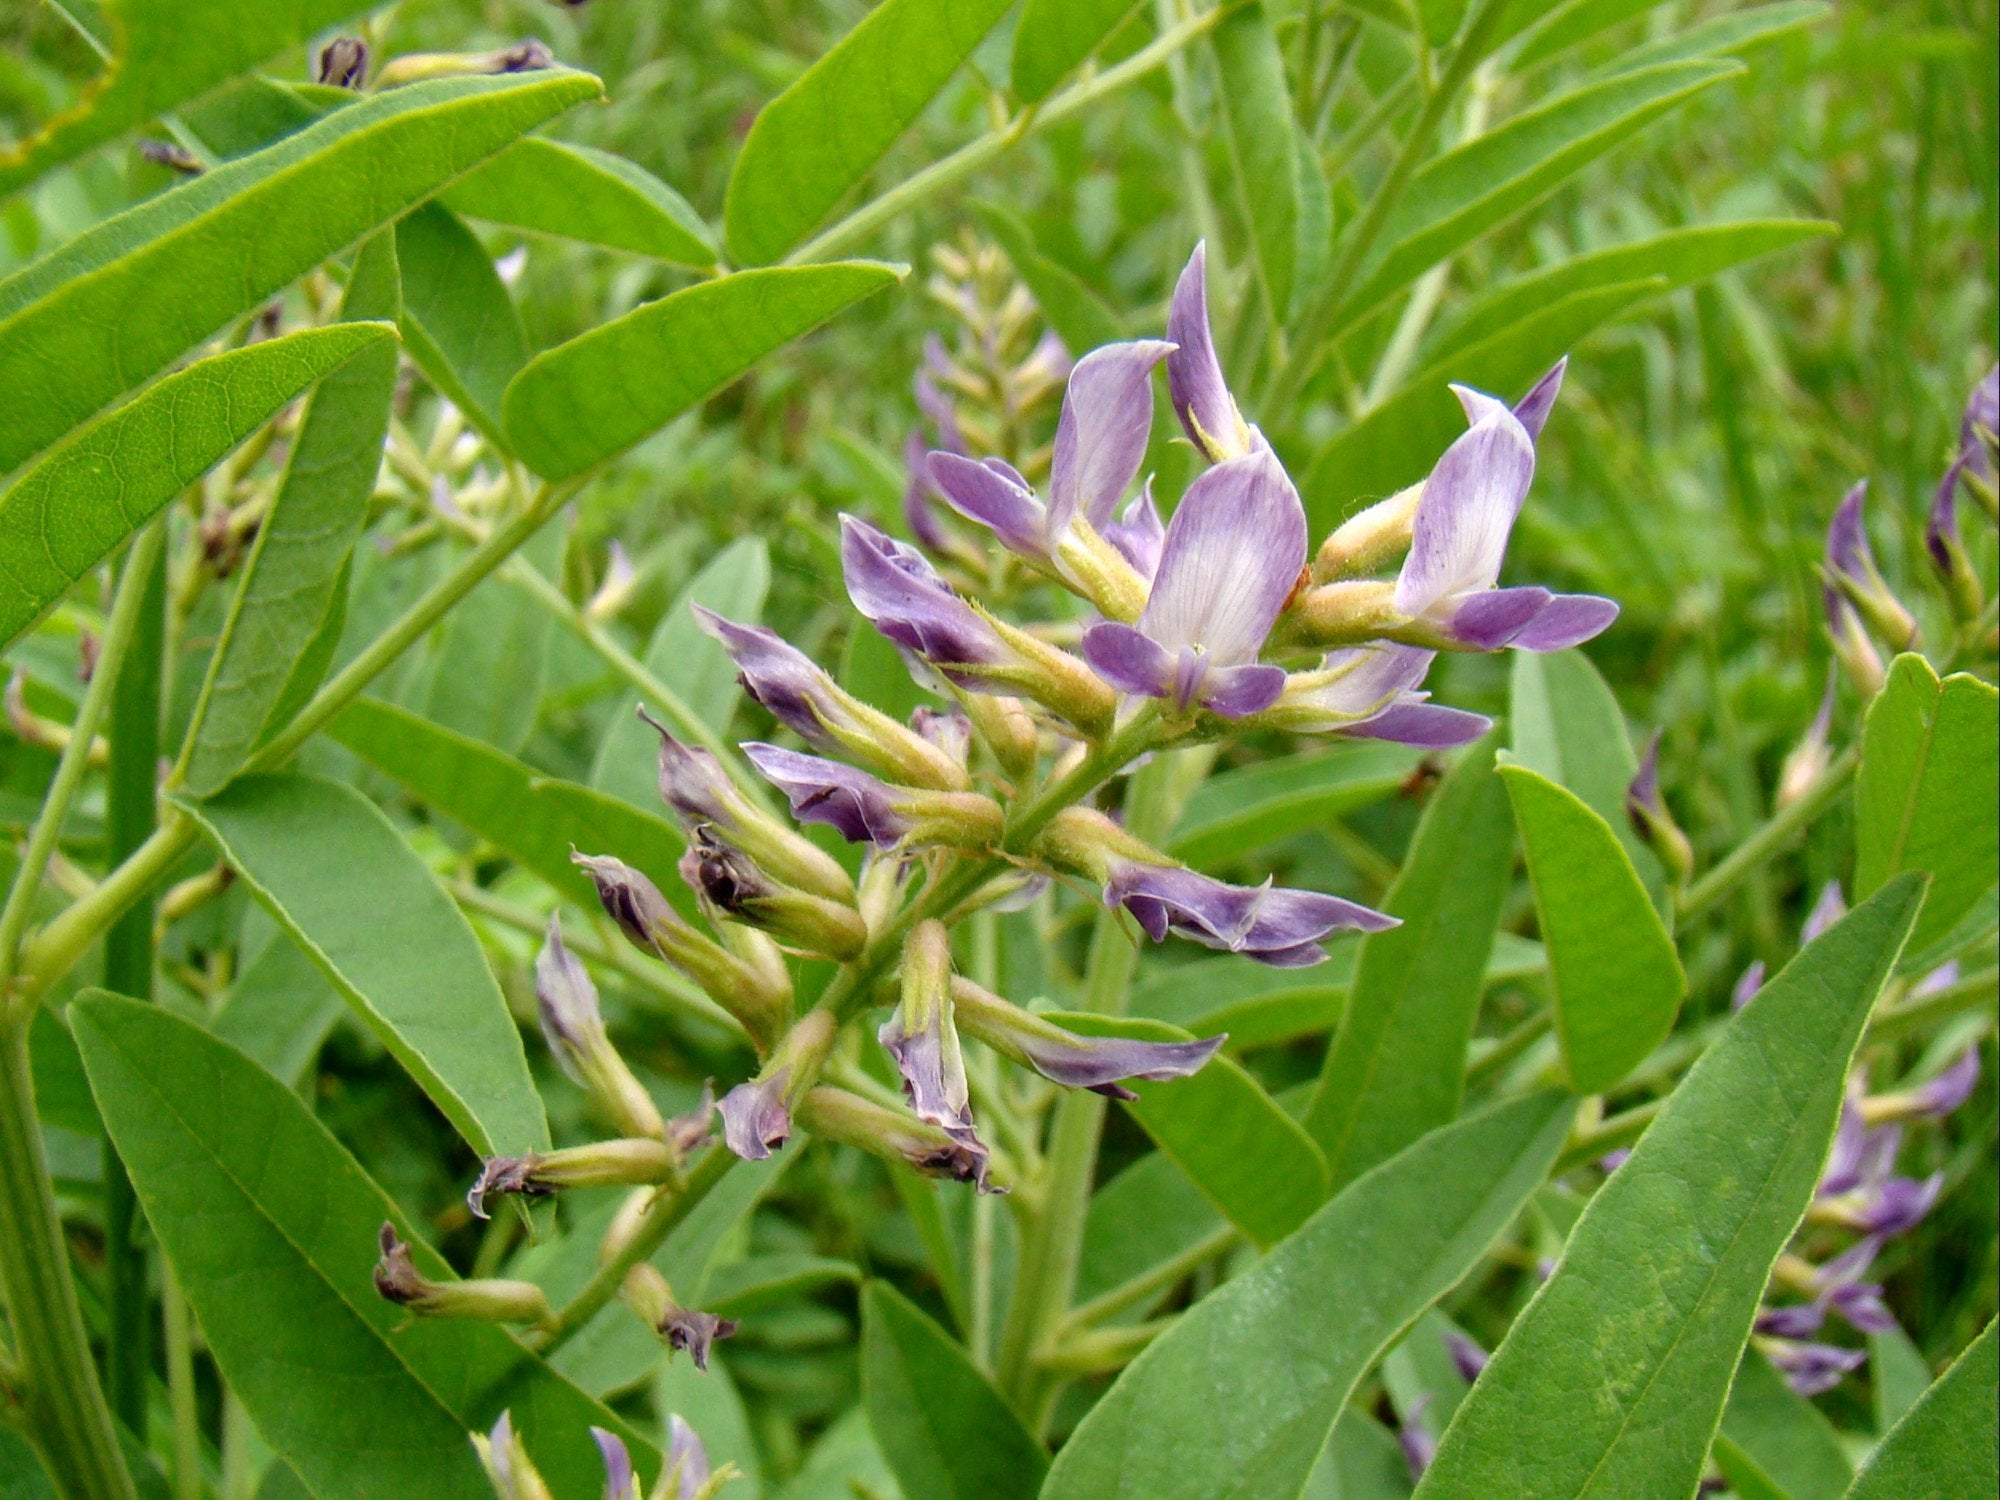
592	398
271	1227
944	1429
74	508
1053	36
825	133
580	193
1240	811
1615	978
689	660
1928	795
1263	147
1396	1068
325	862
1250	1158
462	327
1730	34
1612	1381
1322	1307
163	55
1470	189
532	818
293	571
1946	1445
121	301
496	634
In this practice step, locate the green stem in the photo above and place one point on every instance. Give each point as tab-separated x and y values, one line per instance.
65	1406
1507	1048
1970	993
181	1394
1149	1283
1618	1131
1768	840
1320	323
1102	1350
962	163
131	800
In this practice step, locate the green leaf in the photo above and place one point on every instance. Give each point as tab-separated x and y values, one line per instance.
941	1425
1553	29
684	657
280	1009
121	301
1612	1380
1362	1461
1397	442
163	56
1567	725
74	508
1146	1215
1251	1159
592	398
743	1287
1731	34
271	1228
826	132
1773	1435
1053	36
1898	1373
1198	1415
1396	1068
580	193
341	881
1945	1447
1928	794
1615	979
531	818
461	326
1470	189
1257	126
293	572
1239	812
1077	314
1683	256
843	1464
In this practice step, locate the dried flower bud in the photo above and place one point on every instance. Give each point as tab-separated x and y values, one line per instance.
343	63
756	1116
732	886
931	1150
647	1293
1064	1057
415	67
567	1002
174	158
398	1280
620	1163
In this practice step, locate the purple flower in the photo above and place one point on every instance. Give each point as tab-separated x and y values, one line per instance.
919	496
778	676
1828	909
922	1039
687	1459
1466	1357
1897	1204
620	1483
1077	1062
1951	1088
992	492
860	807
505	1459
566	1000
1195	385
1854	588
692	781
1230	560
1795	1320
1976	431
931	399
1272	924
1813	1369
1419	1447
629	898
755	1119
1747	984
1458	540
903	597
1370	692
1139	533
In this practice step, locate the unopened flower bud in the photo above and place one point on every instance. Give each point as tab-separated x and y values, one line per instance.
1064	1057
732	886
343	63
1364	542
693	783
921	1037
416	67
1008	729
1854	584
647	1293
398	1280
1467	1358
619	1163
505	1459
1647	810
864	809
1973	467
1808	760
830	719
757	1116
1094	566
854	1121
574	1029
946	730
1348	612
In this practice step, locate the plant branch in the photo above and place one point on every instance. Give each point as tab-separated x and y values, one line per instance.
1768	840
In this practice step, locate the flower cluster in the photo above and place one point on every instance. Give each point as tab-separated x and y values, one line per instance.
1860	1194
686	1474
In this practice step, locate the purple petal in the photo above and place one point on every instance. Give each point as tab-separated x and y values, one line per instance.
1238	692
1467	1358
932	1068
1098	1063
1419	1447
1195	385
1459	534
1795	1320
754	1117
1272	924
1900	1204
858	806
685	1449
1139	533
1830	908
995	496
777	675
931	400
1860	1304
692	781
1231	558
1643	794
1493	618
1952	1087
903	597
567	1002
1813	1369
1847	549
619	1482
1425	726
1566	620
1107	415
919	507
1532	410
1130	661
1747	985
